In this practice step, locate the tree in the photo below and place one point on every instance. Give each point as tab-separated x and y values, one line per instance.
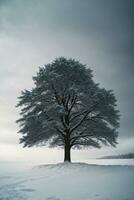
67	108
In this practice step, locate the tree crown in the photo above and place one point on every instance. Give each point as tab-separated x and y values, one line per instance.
67	106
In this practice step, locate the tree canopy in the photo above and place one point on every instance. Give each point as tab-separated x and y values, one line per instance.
67	108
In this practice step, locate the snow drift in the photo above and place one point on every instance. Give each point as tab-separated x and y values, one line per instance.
69	181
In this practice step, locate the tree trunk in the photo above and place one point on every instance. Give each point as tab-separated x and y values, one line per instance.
67	153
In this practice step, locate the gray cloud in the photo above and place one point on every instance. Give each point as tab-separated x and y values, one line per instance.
98	33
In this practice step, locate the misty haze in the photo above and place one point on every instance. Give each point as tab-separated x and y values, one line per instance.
67	99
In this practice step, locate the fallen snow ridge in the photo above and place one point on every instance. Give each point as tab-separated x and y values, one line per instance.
69	181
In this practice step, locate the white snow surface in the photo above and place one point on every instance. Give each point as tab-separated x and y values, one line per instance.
67	181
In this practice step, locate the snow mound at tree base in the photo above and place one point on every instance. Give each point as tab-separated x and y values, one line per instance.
70	181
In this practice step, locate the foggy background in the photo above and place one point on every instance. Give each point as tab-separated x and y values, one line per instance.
34	32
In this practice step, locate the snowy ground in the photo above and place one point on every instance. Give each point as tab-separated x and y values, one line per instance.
76	181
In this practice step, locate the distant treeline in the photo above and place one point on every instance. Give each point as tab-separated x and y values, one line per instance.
122	156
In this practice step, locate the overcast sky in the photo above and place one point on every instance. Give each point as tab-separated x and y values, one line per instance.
34	32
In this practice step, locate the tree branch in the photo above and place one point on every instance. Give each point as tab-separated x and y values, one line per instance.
61	132
56	94
84	117
72	104
80	122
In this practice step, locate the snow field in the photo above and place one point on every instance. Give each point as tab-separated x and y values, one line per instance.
69	181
